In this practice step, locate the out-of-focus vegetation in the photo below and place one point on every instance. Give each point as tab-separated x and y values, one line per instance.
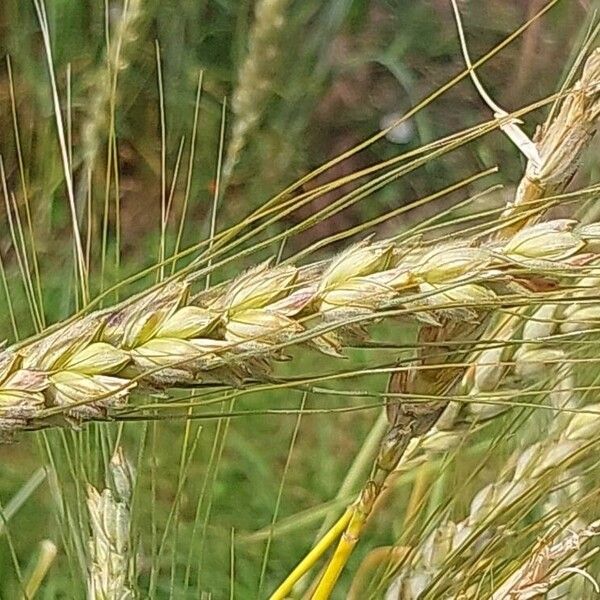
336	72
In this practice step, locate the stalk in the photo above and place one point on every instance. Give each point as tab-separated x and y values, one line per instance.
433	374
309	561
103	84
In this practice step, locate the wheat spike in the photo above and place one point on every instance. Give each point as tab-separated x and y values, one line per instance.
548	464
530	361
111	565
560	143
172	338
530	475
256	76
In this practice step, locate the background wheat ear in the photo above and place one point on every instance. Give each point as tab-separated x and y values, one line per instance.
111	564
256	77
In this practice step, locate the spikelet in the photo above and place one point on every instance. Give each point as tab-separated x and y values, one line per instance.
551	563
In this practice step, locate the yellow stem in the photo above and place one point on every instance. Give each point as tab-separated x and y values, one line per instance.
341	555
313	556
352	522
360	511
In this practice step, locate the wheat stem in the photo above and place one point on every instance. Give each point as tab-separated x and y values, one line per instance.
309	561
47	556
408	420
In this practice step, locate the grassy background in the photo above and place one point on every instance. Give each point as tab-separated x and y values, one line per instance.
341	68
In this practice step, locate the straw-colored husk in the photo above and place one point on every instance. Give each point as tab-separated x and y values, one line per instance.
560	143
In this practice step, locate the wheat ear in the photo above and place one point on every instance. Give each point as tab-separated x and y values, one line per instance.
560	143
549	464
536	354
111	565
532	473
568	437
256	76
171	338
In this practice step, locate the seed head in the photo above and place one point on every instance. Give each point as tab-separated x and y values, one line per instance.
260	326
187	322
96	358
258	287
